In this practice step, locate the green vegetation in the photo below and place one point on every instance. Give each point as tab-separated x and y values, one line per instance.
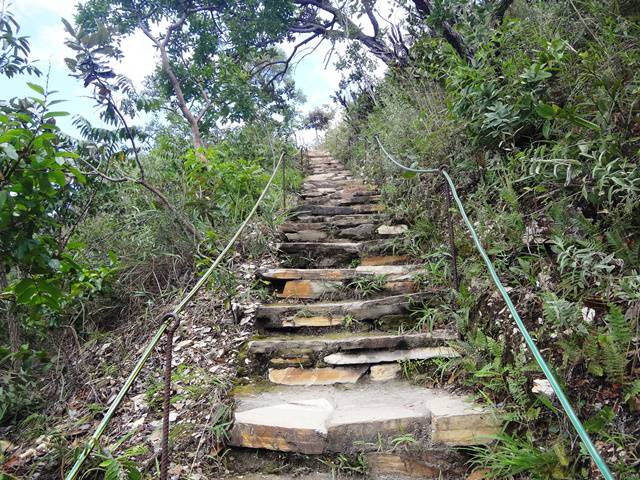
531	105
536	119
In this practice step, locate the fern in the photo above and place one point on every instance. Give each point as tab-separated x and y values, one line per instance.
632	390
619	327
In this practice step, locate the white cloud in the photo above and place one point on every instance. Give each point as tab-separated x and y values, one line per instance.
140	58
60	8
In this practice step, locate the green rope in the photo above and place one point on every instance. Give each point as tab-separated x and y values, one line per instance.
93	441
564	401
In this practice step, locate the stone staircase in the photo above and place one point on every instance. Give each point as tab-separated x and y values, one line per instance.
328	359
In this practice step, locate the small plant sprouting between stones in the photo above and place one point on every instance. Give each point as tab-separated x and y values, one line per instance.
366	286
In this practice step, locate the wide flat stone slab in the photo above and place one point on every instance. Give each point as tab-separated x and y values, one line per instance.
370	357
296	426
315	376
273	315
385	260
307	236
351	418
392	272
309	289
348	341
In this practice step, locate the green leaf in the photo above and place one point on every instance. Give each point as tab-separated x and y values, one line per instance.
584	123
56	114
546	111
407	174
57	177
24	291
3	198
68	27
9	151
36	88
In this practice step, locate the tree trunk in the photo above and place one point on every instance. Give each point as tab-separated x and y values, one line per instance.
450	35
11	320
191	119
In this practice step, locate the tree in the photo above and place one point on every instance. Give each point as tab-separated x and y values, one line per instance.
318	119
326	19
37	177
14	50
203	48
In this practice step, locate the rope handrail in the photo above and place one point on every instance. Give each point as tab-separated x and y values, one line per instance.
167	319
564	401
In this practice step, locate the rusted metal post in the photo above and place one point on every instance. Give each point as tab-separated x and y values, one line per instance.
166	401
452	244
301	159
284	185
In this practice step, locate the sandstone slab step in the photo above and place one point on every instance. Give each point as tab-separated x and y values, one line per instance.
391	272
316	376
338	210
353	418
334	221
309	289
385	260
275	315
348	341
378	356
316	289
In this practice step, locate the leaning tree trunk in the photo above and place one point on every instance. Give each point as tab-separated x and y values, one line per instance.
11	320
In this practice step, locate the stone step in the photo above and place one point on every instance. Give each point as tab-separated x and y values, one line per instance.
332	221
325	210
357	418
345	341
377	356
381	260
320	254
286	315
391	272
316	376
316	289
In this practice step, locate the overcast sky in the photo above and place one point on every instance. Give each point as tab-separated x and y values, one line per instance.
40	20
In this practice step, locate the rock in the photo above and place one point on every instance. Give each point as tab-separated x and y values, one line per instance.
384	372
300	360
306	236
543	386
349	341
273	315
384	260
393	272
383	464
313	321
315	376
325	419
479	475
338	210
309	289
299	426
388	230
361	232
307	274
457	422
5	446
293	227
369	419
381	356
352	220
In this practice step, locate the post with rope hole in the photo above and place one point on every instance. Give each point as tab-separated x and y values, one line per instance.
166	401
452	244
284	179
